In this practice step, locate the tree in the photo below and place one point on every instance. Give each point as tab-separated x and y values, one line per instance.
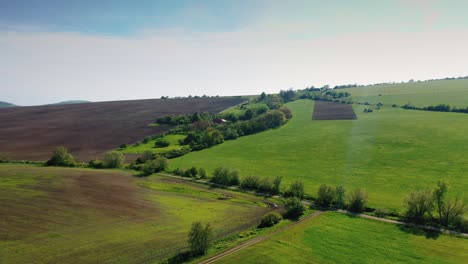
418	204
113	159
202	173
325	196
152	166
357	201
270	219
294	208
193	172
61	157
296	190
250	182
199	238
448	212
276	184
340	193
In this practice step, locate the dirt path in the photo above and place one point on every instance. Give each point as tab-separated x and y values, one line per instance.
257	240
404	223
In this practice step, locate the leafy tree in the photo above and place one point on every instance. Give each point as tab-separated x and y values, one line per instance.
325	196
202	173
250	182
113	159
418	204
277	184
200	238
357	201
448	212
61	157
193	172
270	219
294	208
296	189
266	185
226	177
339	196
152	166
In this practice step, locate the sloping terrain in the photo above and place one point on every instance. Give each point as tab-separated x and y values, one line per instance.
5	104
90	129
63	215
339	238
452	92
388	152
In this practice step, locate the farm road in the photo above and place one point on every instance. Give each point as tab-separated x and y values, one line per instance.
257	240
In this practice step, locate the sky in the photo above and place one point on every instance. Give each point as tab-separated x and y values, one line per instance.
101	50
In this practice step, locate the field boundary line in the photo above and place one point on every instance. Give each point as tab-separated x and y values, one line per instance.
257	239
442	230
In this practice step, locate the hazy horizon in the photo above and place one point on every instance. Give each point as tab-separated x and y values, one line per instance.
53	51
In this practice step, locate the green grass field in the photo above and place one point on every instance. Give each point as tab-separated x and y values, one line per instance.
149	146
388	152
452	92
59	215
339	238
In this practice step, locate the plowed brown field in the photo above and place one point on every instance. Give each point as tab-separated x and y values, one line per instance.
90	129
324	110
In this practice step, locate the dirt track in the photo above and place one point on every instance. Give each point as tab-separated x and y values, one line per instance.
324	110
88	130
256	240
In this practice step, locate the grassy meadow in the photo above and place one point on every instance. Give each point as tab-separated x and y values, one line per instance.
140	148
339	238
60	215
452	92
388	152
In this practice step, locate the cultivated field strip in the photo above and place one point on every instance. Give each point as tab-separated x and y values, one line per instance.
324	110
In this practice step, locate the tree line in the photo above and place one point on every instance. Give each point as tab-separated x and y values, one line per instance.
437	108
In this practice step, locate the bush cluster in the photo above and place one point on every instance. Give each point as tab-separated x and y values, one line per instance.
225	177
263	185
270	219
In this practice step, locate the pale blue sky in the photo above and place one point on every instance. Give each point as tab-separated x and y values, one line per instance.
56	50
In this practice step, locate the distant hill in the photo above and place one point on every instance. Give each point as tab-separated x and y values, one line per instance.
5	104
72	102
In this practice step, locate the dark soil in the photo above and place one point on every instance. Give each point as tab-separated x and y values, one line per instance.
89	130
324	110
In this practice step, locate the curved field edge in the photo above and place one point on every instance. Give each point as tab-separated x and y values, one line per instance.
389	152
82	216
339	238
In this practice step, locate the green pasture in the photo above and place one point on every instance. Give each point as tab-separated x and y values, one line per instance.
452	92
42	222
149	146
339	238
388	152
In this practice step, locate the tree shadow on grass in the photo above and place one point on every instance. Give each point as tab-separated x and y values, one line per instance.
429	234
181	257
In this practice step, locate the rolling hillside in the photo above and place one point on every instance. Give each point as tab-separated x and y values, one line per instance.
388	152
90	129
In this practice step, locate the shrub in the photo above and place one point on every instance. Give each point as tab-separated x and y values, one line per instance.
61	157
384	212
226	177
296	189
266	185
193	172
357	201
270	219
96	164
200	238
113	159
161	143
340	194
123	146
418	204
179	172
153	166
294	208
250	182
202	173
276	184
325	196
